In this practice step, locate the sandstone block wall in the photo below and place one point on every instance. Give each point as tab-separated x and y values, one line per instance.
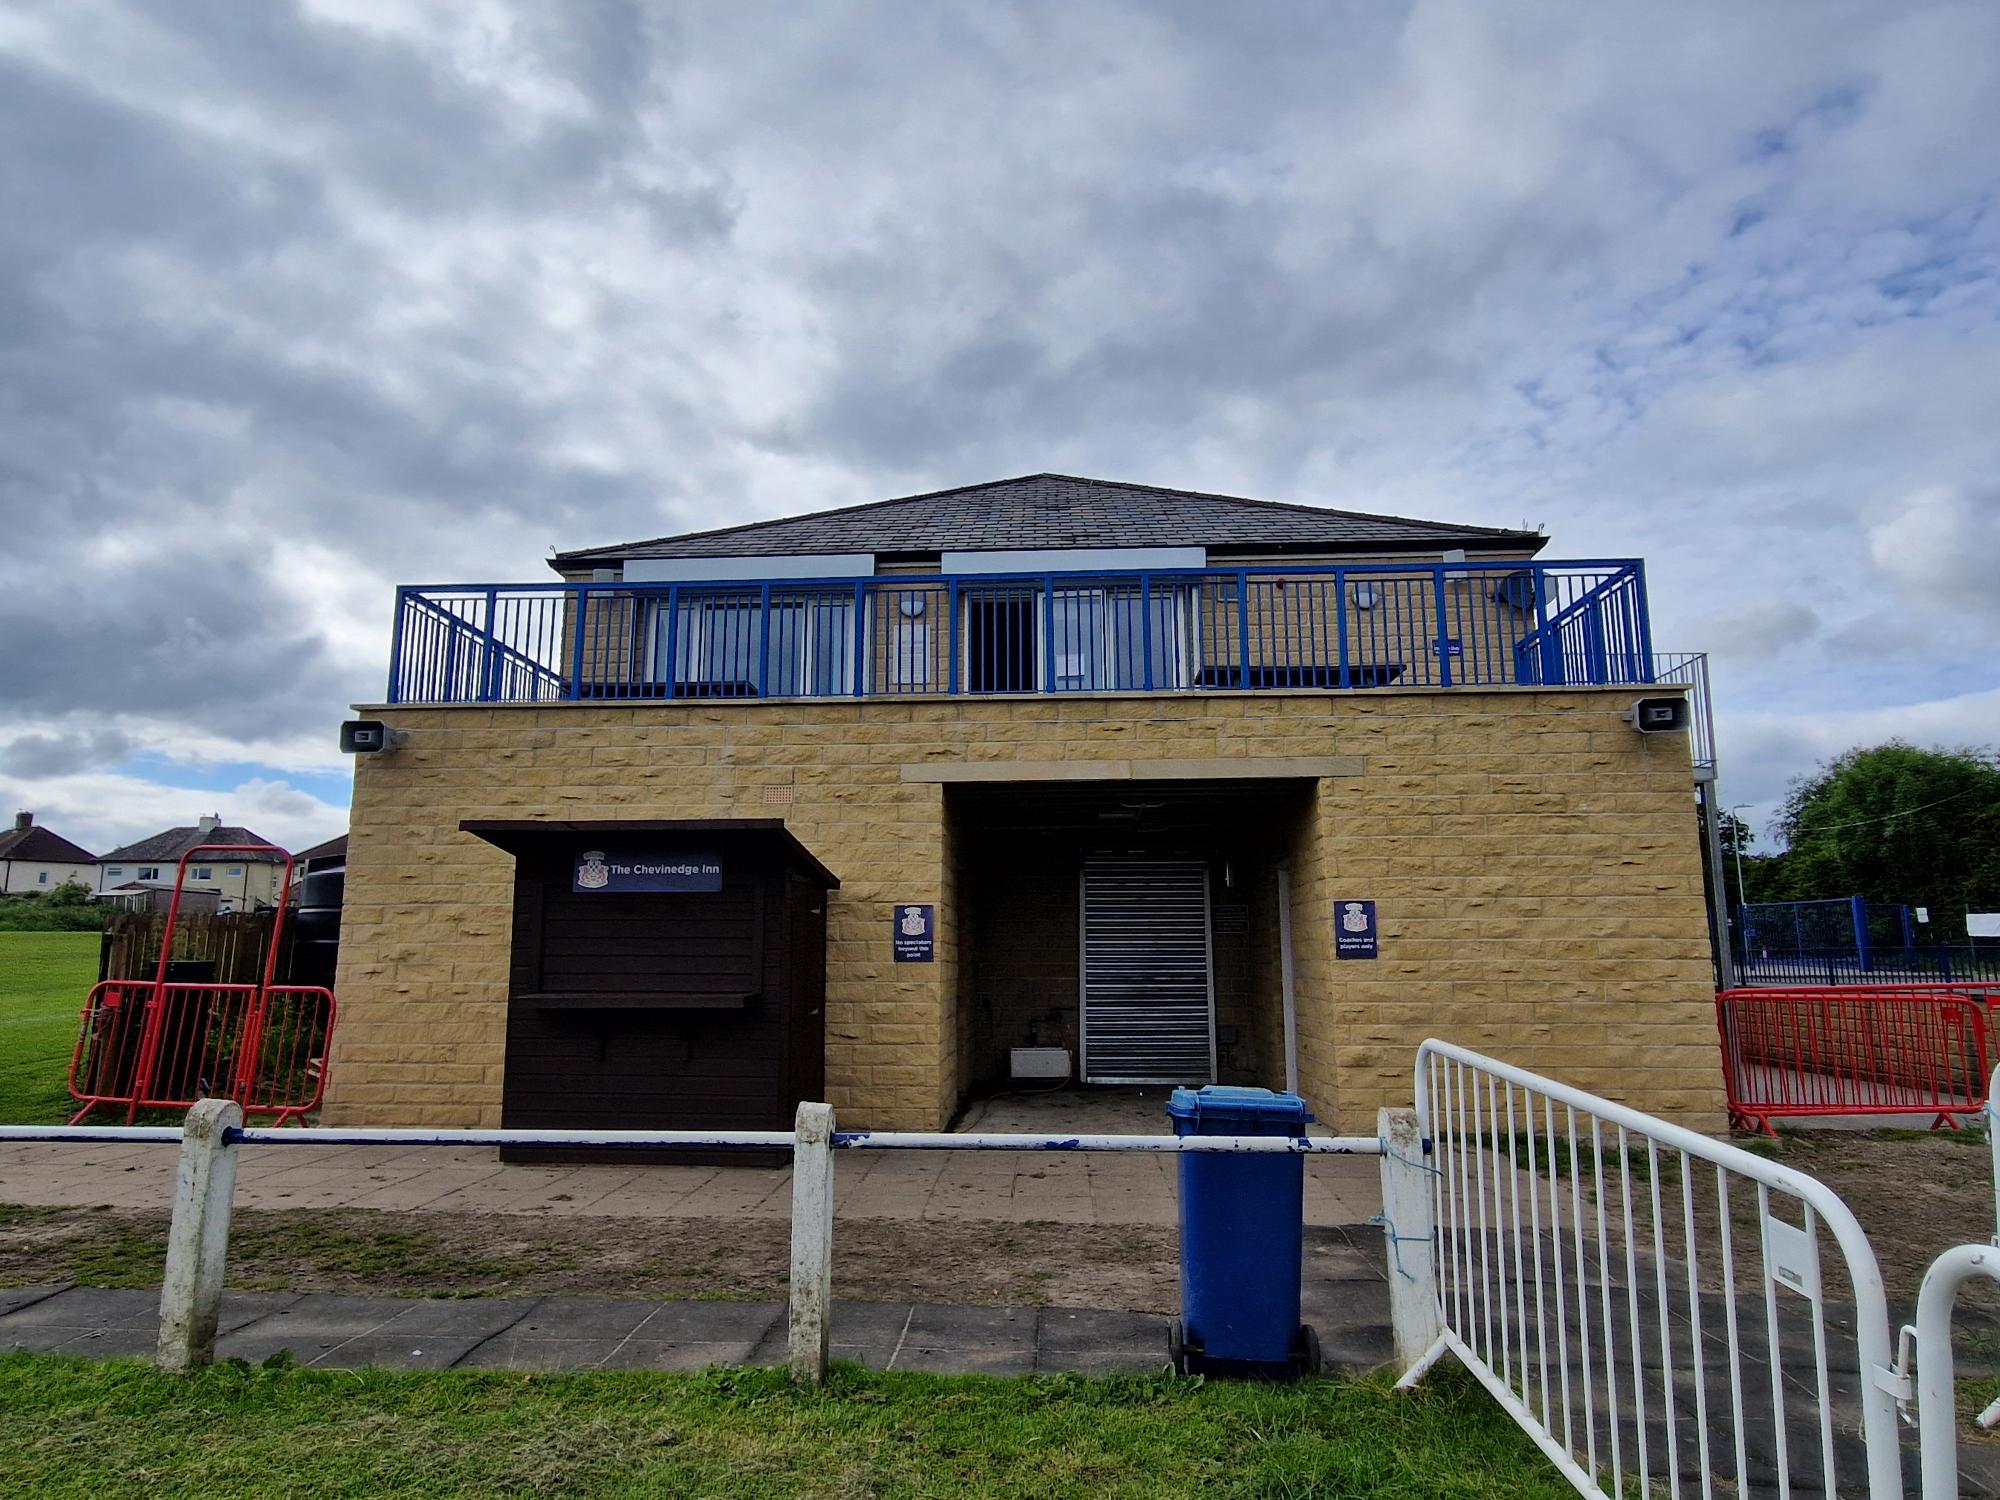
1534	863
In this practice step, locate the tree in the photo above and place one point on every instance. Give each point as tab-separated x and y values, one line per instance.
1897	824
1736	841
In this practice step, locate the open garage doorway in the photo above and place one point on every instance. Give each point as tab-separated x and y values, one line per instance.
1123	932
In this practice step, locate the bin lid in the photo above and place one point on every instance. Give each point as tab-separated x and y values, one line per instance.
1226	1102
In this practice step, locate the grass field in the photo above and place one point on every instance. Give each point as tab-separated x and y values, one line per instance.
44	977
76	1428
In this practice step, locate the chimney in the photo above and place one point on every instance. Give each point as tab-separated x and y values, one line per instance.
210	821
23	820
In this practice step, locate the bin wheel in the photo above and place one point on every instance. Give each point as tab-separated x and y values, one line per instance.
1306	1356
1185	1352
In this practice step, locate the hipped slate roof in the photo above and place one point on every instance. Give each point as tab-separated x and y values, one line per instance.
168	847
37	845
1059	510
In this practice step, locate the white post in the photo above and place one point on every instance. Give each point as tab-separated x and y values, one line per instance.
1409	1224
198	1240
812	1241
1285	978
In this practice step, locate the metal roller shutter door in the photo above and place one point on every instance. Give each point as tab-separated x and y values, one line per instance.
1148	996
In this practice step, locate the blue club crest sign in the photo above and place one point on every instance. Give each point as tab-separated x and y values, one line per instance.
914	937
1354	934
618	870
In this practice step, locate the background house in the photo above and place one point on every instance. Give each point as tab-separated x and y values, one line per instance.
34	859
245	881
1186	786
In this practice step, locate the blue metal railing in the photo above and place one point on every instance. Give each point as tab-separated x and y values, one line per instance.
1362	625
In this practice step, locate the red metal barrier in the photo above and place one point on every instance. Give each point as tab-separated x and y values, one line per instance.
149	1043
150	1046
1852	1050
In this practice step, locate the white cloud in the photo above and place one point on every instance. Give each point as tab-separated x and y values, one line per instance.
314	300
1940	547
102	810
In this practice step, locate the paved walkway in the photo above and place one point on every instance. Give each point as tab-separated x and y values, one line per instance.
568	1333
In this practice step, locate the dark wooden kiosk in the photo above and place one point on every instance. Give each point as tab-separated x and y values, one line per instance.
667	975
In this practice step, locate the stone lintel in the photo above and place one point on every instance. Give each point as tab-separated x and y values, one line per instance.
1209	768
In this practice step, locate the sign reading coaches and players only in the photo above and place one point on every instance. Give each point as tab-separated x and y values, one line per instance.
1354	934
647	870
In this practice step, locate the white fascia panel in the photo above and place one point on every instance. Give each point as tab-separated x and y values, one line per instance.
1074	560
734	569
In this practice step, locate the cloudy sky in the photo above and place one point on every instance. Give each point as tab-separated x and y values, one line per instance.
302	300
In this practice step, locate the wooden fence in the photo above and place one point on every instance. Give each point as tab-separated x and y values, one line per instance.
233	944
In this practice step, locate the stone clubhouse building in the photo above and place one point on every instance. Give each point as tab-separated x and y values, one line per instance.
899	803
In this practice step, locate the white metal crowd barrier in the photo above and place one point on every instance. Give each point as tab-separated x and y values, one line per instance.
1588	1265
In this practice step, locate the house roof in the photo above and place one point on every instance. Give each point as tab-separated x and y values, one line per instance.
172	844
333	848
37	845
1060	510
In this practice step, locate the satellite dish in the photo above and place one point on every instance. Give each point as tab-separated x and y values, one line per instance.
1516	590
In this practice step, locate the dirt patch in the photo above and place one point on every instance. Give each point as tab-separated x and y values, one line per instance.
1136	1268
1916	1194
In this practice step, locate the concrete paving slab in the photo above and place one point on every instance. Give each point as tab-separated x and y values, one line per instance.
713	1322
110	1343
652	1354
1086	1330
14	1298
413	1351
972	1327
241	1309
513	1351
582	1318
86	1307
870	1322
465	1317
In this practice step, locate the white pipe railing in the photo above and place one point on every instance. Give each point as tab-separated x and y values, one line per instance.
197	1239
1929	1338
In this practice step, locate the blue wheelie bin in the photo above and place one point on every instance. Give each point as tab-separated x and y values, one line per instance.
1242	1238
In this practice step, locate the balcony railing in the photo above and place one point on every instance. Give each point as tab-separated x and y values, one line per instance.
1442	625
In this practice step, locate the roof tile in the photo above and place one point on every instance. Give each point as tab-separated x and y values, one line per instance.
1060	510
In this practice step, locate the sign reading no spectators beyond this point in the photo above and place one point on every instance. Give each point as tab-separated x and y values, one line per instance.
915	934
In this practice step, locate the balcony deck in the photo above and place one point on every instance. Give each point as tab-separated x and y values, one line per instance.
1342	628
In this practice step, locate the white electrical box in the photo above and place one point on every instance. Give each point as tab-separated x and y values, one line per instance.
1039	1062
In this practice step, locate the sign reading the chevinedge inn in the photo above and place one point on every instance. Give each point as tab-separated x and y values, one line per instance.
1354	929
647	870
915	938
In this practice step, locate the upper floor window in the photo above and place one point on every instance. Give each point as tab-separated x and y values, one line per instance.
149	872
234	870
203	872
42	877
